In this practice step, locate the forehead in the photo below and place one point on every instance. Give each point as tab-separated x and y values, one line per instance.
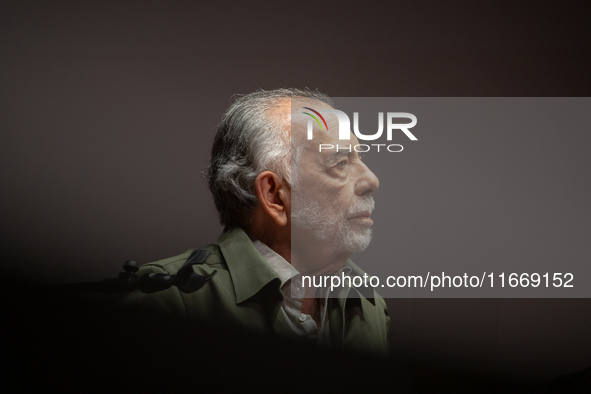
325	129
324	126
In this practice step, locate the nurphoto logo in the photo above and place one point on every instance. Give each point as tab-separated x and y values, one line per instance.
345	127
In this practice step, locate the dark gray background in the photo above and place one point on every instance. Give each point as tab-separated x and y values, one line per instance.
107	114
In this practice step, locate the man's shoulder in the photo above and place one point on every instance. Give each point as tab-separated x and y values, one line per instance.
172	265
174	302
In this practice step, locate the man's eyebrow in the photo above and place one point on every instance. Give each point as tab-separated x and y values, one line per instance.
341	152
335	155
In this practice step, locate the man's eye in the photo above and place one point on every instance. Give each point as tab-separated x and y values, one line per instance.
342	163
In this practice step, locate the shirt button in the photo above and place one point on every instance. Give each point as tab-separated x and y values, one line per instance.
302	317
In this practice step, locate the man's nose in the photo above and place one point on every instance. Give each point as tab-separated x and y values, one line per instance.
367	182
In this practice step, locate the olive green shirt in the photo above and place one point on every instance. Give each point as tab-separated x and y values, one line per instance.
245	293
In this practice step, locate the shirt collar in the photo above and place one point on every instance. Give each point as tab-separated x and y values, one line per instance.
248	269
282	268
366	292
250	272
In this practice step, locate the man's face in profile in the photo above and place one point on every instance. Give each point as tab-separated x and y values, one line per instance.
331	196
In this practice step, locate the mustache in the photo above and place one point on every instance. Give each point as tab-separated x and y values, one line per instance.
361	205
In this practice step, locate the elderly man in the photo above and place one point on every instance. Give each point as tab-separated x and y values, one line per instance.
289	211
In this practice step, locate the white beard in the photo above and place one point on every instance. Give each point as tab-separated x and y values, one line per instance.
329	227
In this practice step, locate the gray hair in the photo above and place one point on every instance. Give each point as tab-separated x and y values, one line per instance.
250	139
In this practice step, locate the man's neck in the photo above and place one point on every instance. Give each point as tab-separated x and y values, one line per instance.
308	258
319	260
306	254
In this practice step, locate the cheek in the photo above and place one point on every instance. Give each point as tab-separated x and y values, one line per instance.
341	198
334	191
333	194
337	186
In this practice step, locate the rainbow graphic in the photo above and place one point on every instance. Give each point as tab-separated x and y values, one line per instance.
315	118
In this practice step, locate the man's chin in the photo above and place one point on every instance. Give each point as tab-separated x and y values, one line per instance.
356	241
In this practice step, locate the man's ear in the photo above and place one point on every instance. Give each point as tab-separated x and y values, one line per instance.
273	194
